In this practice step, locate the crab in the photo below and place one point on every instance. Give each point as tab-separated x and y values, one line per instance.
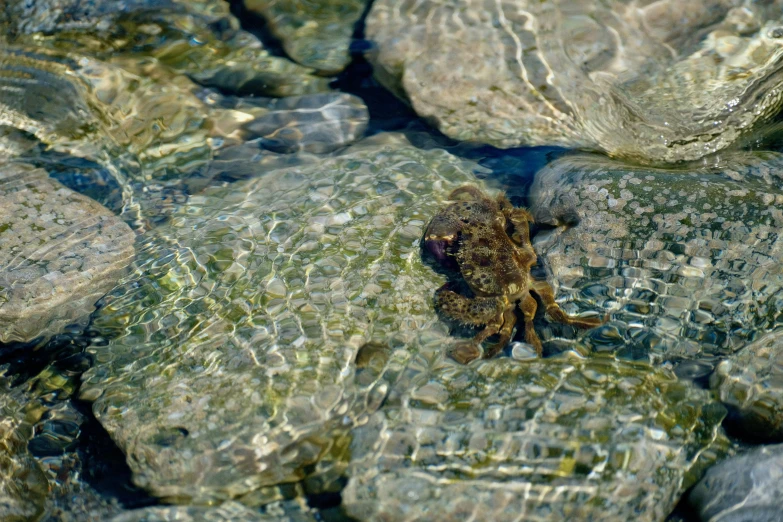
488	241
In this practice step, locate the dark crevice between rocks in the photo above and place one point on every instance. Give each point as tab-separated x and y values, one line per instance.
80	175
329	504
387	112
258	27
104	465
683	511
74	429
747	431
24	361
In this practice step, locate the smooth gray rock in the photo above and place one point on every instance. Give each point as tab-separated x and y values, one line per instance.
745	488
683	260
61	252
656	81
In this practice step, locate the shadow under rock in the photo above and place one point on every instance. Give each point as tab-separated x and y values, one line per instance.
26	360
257	26
683	511
103	464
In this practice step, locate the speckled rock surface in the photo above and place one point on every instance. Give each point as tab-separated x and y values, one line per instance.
315	33
657	81
226	512
538	440
61	252
750	384
230	364
684	261
744	488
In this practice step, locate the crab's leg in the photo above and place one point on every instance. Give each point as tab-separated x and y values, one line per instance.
544	291
521	220
469	351
467	189
509	320
529	306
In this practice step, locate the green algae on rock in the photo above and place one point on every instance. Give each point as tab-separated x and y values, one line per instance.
230	360
654	81
23	484
684	261
544	440
750	384
315	33
61	252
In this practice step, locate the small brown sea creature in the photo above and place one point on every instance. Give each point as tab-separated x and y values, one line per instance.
490	241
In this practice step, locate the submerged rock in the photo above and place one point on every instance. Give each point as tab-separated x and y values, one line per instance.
117	84
750	383
61	252
23	484
318	123
226	512
745	488
660	81
315	33
198	38
565	439
230	364
684	261
110	115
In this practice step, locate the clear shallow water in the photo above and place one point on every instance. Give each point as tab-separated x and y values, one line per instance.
273	348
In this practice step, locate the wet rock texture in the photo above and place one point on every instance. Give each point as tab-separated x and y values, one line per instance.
317	123
198	38
653	81
23	484
750	383
230	364
132	87
61	252
684	261
543	440
744	488
226	512
315	33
